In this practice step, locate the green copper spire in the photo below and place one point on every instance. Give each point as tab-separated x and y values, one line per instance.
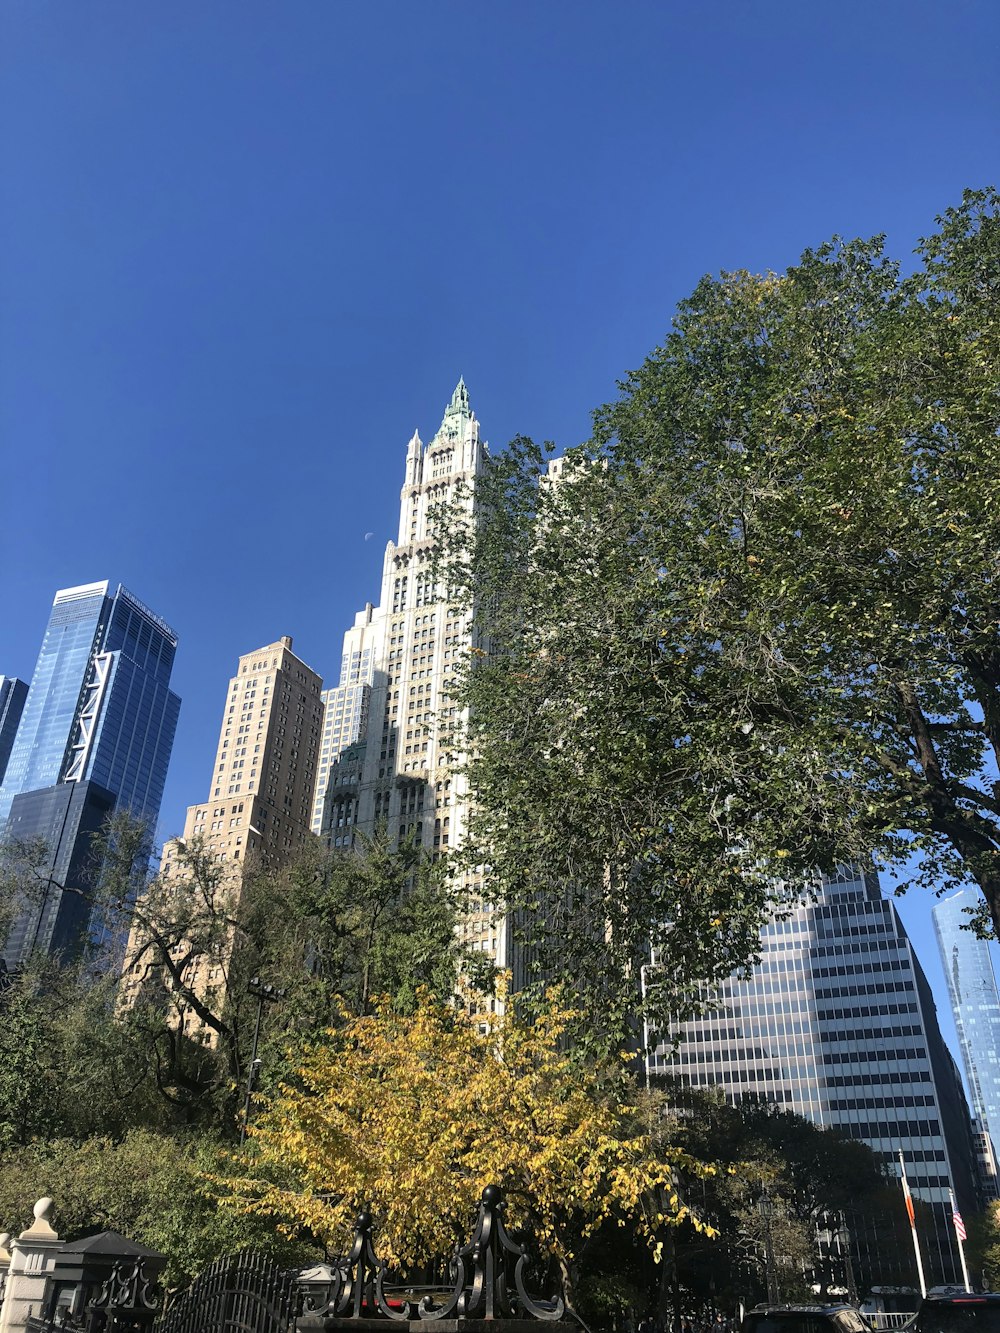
459	405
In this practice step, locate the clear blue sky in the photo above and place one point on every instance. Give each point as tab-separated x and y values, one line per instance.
247	247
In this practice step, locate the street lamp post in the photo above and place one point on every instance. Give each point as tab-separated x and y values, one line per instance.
766	1213
843	1236
264	991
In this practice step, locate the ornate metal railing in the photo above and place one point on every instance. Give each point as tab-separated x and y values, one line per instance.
248	1292
486	1279
128	1302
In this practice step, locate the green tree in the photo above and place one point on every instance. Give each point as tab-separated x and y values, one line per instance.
327	930
751	631
69	1066
811	1183
374	921
147	1186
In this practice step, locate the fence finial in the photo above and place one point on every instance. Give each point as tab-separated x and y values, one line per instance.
41	1228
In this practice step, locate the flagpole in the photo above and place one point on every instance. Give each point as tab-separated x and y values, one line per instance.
913	1226
959	1225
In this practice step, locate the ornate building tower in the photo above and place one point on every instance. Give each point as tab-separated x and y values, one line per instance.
401	772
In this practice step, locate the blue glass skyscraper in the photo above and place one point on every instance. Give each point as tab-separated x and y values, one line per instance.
13	693
95	735
975	1004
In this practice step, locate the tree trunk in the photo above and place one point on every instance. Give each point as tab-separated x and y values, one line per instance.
668	1286
568	1278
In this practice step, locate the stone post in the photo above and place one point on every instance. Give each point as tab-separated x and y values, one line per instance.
32	1257
4	1262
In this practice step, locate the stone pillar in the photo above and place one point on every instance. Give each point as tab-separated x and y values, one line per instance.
4	1262
32	1257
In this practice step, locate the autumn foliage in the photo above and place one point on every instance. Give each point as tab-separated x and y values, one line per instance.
411	1116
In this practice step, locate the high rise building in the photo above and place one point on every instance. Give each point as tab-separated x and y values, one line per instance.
260	796
260	793
399	771
13	693
975	1004
837	1023
345	707
95	734
67	817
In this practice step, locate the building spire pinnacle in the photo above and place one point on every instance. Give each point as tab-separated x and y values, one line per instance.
459	405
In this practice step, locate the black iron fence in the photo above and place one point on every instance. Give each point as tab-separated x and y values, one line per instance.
486	1280
249	1293
245	1291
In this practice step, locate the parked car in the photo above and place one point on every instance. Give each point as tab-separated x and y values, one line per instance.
805	1319
958	1314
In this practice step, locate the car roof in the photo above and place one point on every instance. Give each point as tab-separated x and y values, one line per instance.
963	1298
800	1309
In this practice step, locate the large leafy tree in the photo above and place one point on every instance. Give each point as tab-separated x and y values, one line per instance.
69	1066
751	631
327	931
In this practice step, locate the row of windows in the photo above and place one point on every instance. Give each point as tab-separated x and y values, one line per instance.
884	965
724	1055
835	932
864	1057
867	1011
880	946
872	988
878	1103
889	1129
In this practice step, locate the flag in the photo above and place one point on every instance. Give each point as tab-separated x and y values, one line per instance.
906	1194
956	1217
913	1224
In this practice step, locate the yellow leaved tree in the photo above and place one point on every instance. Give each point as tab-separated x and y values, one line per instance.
410	1116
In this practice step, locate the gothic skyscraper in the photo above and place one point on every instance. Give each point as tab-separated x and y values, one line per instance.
399	771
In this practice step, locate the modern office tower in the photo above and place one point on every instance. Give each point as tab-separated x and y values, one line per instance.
400	773
975	1004
345	707
837	1023
99	707
13	693
99	716
67	817
986	1162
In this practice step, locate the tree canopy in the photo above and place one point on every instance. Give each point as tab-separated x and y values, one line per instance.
117	1109
750	631
328	931
147	1185
823	1195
